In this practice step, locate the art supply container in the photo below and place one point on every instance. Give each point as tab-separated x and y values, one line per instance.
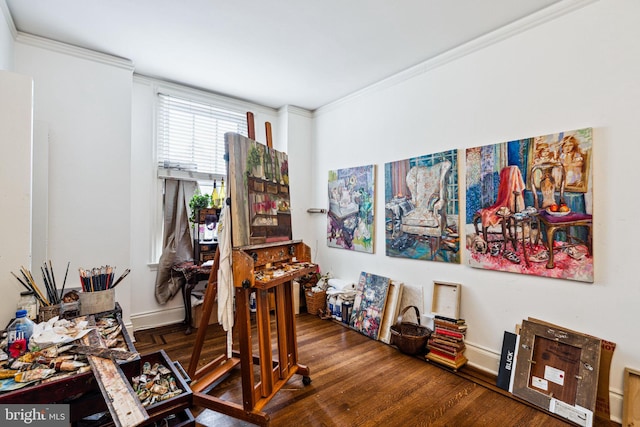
28	302
97	302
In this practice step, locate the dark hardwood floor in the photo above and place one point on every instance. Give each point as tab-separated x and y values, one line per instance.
357	381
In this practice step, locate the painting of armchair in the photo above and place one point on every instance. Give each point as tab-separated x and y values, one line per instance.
428	188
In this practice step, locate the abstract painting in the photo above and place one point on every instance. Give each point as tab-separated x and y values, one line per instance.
350	219
368	306
529	206
421	208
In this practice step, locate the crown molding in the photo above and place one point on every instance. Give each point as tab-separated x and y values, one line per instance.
517	27
179	89
291	109
78	52
7	17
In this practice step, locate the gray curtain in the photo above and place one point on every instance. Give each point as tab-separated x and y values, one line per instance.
177	244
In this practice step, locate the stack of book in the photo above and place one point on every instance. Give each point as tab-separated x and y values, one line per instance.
446	344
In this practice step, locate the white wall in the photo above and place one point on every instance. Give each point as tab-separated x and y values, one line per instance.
296	125
7	32
579	69
16	115
85	100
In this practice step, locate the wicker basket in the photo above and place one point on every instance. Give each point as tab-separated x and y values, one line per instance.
410	338
316	301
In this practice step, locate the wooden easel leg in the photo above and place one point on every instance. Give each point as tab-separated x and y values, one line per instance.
246	357
263	324
207	307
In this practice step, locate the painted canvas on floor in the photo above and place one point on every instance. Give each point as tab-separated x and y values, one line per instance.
421	208
350	218
529	206
368	306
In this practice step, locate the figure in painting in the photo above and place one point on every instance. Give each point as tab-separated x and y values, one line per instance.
543	154
573	160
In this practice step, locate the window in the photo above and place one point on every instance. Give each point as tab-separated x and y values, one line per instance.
190	137
190	143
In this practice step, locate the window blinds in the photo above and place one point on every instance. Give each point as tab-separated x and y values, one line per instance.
190	134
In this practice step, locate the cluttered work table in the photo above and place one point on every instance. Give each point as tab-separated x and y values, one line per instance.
90	363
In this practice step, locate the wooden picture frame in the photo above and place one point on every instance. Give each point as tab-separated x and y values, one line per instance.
631	398
446	299
558	365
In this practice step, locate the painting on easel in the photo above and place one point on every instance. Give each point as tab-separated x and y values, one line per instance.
368	306
259	181
421	205
350	219
529	206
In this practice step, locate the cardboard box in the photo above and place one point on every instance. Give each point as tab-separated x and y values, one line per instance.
196	315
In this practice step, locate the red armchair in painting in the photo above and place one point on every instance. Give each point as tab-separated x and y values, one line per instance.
488	221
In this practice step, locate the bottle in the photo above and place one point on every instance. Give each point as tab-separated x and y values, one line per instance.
332	306
222	195
338	308
18	334
215	196
28	302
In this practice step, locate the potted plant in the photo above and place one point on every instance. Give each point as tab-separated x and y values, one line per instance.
197	202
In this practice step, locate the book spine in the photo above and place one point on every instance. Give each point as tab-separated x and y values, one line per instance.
446	356
446	346
448	326
449	333
450	353
449	319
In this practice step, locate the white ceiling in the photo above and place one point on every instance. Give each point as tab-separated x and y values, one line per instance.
273	52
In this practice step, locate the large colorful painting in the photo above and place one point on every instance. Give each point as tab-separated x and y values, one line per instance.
259	182
421	208
350	223
368	306
529	206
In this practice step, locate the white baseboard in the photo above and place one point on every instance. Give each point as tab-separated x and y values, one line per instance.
488	361
154	319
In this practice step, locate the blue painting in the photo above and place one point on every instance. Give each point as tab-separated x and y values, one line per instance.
421	208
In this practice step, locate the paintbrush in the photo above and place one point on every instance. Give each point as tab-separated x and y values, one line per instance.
27	275
29	288
55	285
64	282
124	274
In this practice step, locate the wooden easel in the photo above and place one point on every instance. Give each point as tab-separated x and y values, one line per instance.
273	373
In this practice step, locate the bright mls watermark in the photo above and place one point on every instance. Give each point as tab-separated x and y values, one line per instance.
34	415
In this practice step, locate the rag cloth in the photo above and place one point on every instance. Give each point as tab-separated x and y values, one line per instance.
225	278
510	181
